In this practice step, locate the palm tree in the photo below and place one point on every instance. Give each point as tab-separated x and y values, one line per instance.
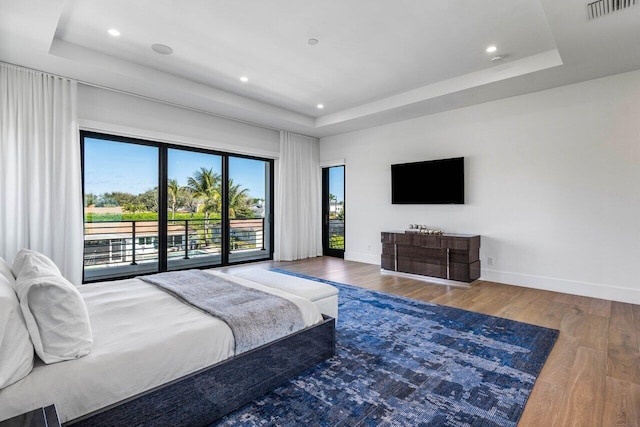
237	198
172	191
205	185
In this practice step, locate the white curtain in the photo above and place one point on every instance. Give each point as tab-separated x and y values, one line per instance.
40	174
298	216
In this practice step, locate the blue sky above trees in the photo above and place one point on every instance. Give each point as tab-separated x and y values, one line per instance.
131	168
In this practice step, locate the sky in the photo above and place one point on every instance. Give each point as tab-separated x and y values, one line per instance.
132	168
336	182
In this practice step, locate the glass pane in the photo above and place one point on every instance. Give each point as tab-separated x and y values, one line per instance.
249	201
336	207
120	209
194	236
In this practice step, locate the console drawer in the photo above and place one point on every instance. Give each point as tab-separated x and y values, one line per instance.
464	272
388	262
388	249
409	265
426	240
456	255
425	254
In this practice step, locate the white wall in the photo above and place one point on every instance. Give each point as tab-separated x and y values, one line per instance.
552	185
118	113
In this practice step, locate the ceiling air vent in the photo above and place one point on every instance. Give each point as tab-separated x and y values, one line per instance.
599	8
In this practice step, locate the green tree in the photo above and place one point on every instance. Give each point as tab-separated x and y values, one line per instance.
90	199
149	199
120	198
173	192
238	201
134	207
205	186
187	200
106	201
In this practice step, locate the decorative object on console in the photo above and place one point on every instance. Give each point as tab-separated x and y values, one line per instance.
418	228
445	256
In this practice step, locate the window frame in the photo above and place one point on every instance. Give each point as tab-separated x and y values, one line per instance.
163	215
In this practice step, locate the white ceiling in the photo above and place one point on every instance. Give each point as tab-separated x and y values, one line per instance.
377	61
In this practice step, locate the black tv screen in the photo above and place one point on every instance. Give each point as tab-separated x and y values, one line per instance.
433	182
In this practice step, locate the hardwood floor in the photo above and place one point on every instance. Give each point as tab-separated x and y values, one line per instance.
591	378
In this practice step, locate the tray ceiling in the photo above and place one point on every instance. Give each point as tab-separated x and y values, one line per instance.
374	62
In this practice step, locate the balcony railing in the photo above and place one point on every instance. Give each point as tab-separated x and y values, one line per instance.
336	234
120	243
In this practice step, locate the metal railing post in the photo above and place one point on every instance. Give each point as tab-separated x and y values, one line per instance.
102	242
133	245
186	239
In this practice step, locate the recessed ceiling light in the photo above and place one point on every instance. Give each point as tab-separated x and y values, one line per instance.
491	49
244	79
162	49
313	42
113	32
320	106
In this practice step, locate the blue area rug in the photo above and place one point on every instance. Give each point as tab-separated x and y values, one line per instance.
402	362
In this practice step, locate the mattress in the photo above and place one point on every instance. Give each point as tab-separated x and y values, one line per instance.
143	338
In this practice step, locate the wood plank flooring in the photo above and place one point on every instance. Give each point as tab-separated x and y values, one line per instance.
592	376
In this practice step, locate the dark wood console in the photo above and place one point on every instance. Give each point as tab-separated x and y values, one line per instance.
446	256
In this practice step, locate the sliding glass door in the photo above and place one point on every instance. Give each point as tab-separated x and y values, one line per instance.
155	207
194	202
249	207
120	208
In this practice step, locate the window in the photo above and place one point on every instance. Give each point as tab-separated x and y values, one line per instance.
333	229
120	182
249	196
156	207
194	205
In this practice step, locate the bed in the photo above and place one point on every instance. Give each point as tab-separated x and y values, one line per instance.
158	361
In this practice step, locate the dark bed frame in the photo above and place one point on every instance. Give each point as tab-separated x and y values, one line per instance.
200	398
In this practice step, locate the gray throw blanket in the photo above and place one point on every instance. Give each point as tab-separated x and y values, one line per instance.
255	317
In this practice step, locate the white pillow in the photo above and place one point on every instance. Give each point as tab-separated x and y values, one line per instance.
44	262
54	311
16	350
5	271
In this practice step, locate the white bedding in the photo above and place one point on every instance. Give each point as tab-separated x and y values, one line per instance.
143	337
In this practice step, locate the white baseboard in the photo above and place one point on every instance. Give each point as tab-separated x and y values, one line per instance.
366	257
574	287
593	290
428	279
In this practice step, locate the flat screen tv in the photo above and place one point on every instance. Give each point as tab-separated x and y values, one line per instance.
433	182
